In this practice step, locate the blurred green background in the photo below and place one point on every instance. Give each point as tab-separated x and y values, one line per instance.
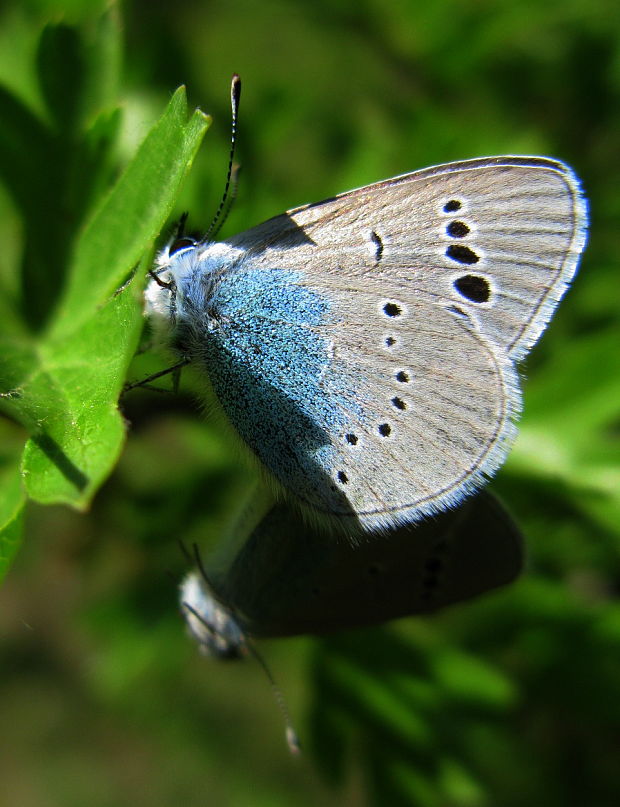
512	700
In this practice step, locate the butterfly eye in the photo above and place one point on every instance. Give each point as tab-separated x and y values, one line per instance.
179	244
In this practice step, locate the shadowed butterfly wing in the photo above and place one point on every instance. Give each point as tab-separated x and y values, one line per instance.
289	579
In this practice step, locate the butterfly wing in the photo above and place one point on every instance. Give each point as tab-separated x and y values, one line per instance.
398	395
289	579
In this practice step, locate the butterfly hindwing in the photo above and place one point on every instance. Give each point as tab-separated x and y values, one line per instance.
364	347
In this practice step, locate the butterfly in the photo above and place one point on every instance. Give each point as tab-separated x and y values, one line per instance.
365	347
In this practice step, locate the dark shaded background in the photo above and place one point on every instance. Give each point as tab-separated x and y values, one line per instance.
512	700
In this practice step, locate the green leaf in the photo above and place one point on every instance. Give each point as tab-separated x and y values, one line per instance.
64	388
55	165
86	60
132	215
61	65
70	405
12	500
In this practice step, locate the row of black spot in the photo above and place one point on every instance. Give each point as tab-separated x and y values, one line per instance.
390	309
393	309
474	288
458	229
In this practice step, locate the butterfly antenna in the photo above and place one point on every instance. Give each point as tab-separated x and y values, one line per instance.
292	738
186	553
180	233
174	370
224	208
209	628
234	184
201	566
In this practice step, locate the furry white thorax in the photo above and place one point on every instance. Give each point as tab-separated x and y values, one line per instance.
177	268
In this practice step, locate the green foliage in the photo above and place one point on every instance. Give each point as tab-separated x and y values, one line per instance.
62	372
512	700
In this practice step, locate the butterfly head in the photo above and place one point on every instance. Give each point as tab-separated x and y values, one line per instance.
183	282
